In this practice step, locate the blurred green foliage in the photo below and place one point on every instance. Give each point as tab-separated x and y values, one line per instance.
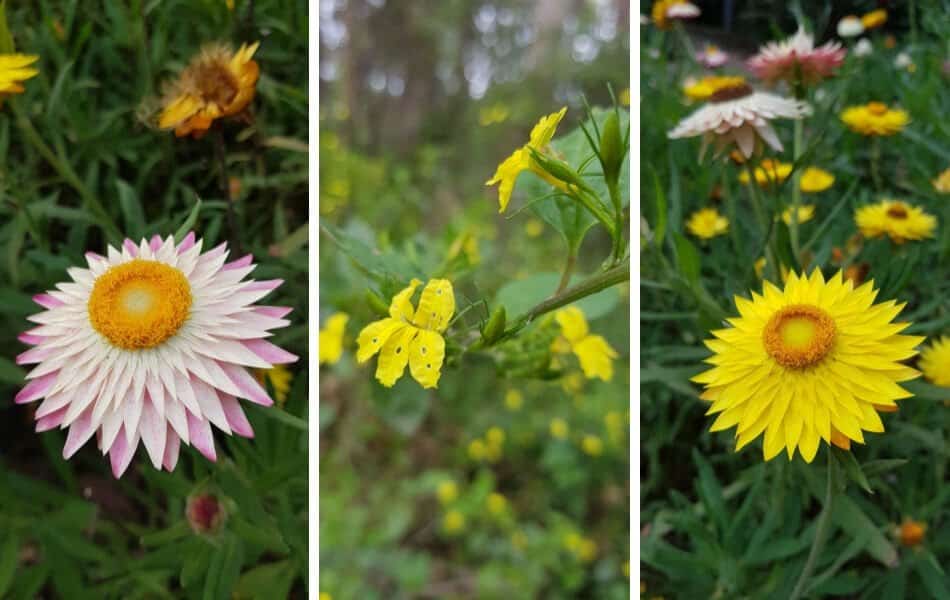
725	525
81	168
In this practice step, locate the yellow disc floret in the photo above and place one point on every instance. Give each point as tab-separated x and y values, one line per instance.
139	304
799	335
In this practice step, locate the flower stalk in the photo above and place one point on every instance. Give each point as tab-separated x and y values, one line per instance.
821	530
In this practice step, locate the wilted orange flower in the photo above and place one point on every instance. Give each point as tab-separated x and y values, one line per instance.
217	83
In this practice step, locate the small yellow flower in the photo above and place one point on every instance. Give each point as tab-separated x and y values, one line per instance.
497	504
769	172
935	361
573	382
14	70
514	400
875	118
625	569
874	19
494	452
534	228
571	541
896	219
520	160
759	267
230	5
495	436
453	522
467	244
489	115
447	492
217	83
707	223
587	550
704	88
592	445
325	596
477	450
624	97
911	533
330	339
594	353
942	182
558	428
806	212
614	421
411	336
815	180
280	379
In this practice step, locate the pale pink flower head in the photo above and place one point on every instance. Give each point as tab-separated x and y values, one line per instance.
712	57
151	343
797	59
738	115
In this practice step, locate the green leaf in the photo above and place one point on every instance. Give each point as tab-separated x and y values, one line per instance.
189	222
851	466
10	372
933	576
272	580
281	416
659	228
403	406
132	211
6	39
9	558
687	257
520	296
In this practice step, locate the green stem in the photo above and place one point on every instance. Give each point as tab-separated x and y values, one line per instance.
591	203
65	170
875	162
765	229
687	43
821	531
568	269
221	155
614	190
797	149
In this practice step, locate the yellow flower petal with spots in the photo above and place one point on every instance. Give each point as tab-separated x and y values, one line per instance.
394	356
374	336
436	306
426	353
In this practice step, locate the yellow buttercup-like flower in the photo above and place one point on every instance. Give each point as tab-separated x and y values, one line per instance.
707	223
330	339
497	504
520	160
217	83
14	70
594	353
875	118
447	492
815	180
942	182
935	361
874	19
513	400
769	172
704	88
410	336
453	522
558	428
806	212
896	219
814	361
592	445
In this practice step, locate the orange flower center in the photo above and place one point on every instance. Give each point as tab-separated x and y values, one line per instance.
877	108
731	92
897	212
799	335
139	304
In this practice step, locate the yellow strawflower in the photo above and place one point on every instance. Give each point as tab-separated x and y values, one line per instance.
874	19
593	352
520	160
704	88
875	118
217	83
411	336
942	182
814	361
447	492
14	70
558	428
514	400
815	180
330	339
769	172
935	361
806	212
896	219
707	223
592	445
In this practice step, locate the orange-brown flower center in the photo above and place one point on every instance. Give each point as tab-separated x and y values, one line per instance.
731	92
216	82
877	108
897	212
799	335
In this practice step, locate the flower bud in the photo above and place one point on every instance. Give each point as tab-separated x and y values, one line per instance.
611	147
205	514
558	169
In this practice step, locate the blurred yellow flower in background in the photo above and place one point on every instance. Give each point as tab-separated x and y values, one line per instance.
489	115
514	400
447	492
942	182
875	118
453	522
496	503
534	227
520	160
897	219
704	88
519	540
330	339
806	213
592	445
707	223
477	450
558	428
815	180
594	353
624	97
217	83
495	436
935	361
325	596
874	19
280	379
911	533
14	70
769	172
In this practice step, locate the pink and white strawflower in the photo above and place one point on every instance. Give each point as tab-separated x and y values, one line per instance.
712	57
797	60
151	344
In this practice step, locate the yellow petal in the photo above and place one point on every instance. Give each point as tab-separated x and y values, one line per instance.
436	306
401	305
395	355
426	353
372	338
542	133
808	443
596	357
507	173
180	109
573	324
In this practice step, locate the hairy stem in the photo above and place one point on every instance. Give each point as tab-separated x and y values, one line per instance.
569	263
